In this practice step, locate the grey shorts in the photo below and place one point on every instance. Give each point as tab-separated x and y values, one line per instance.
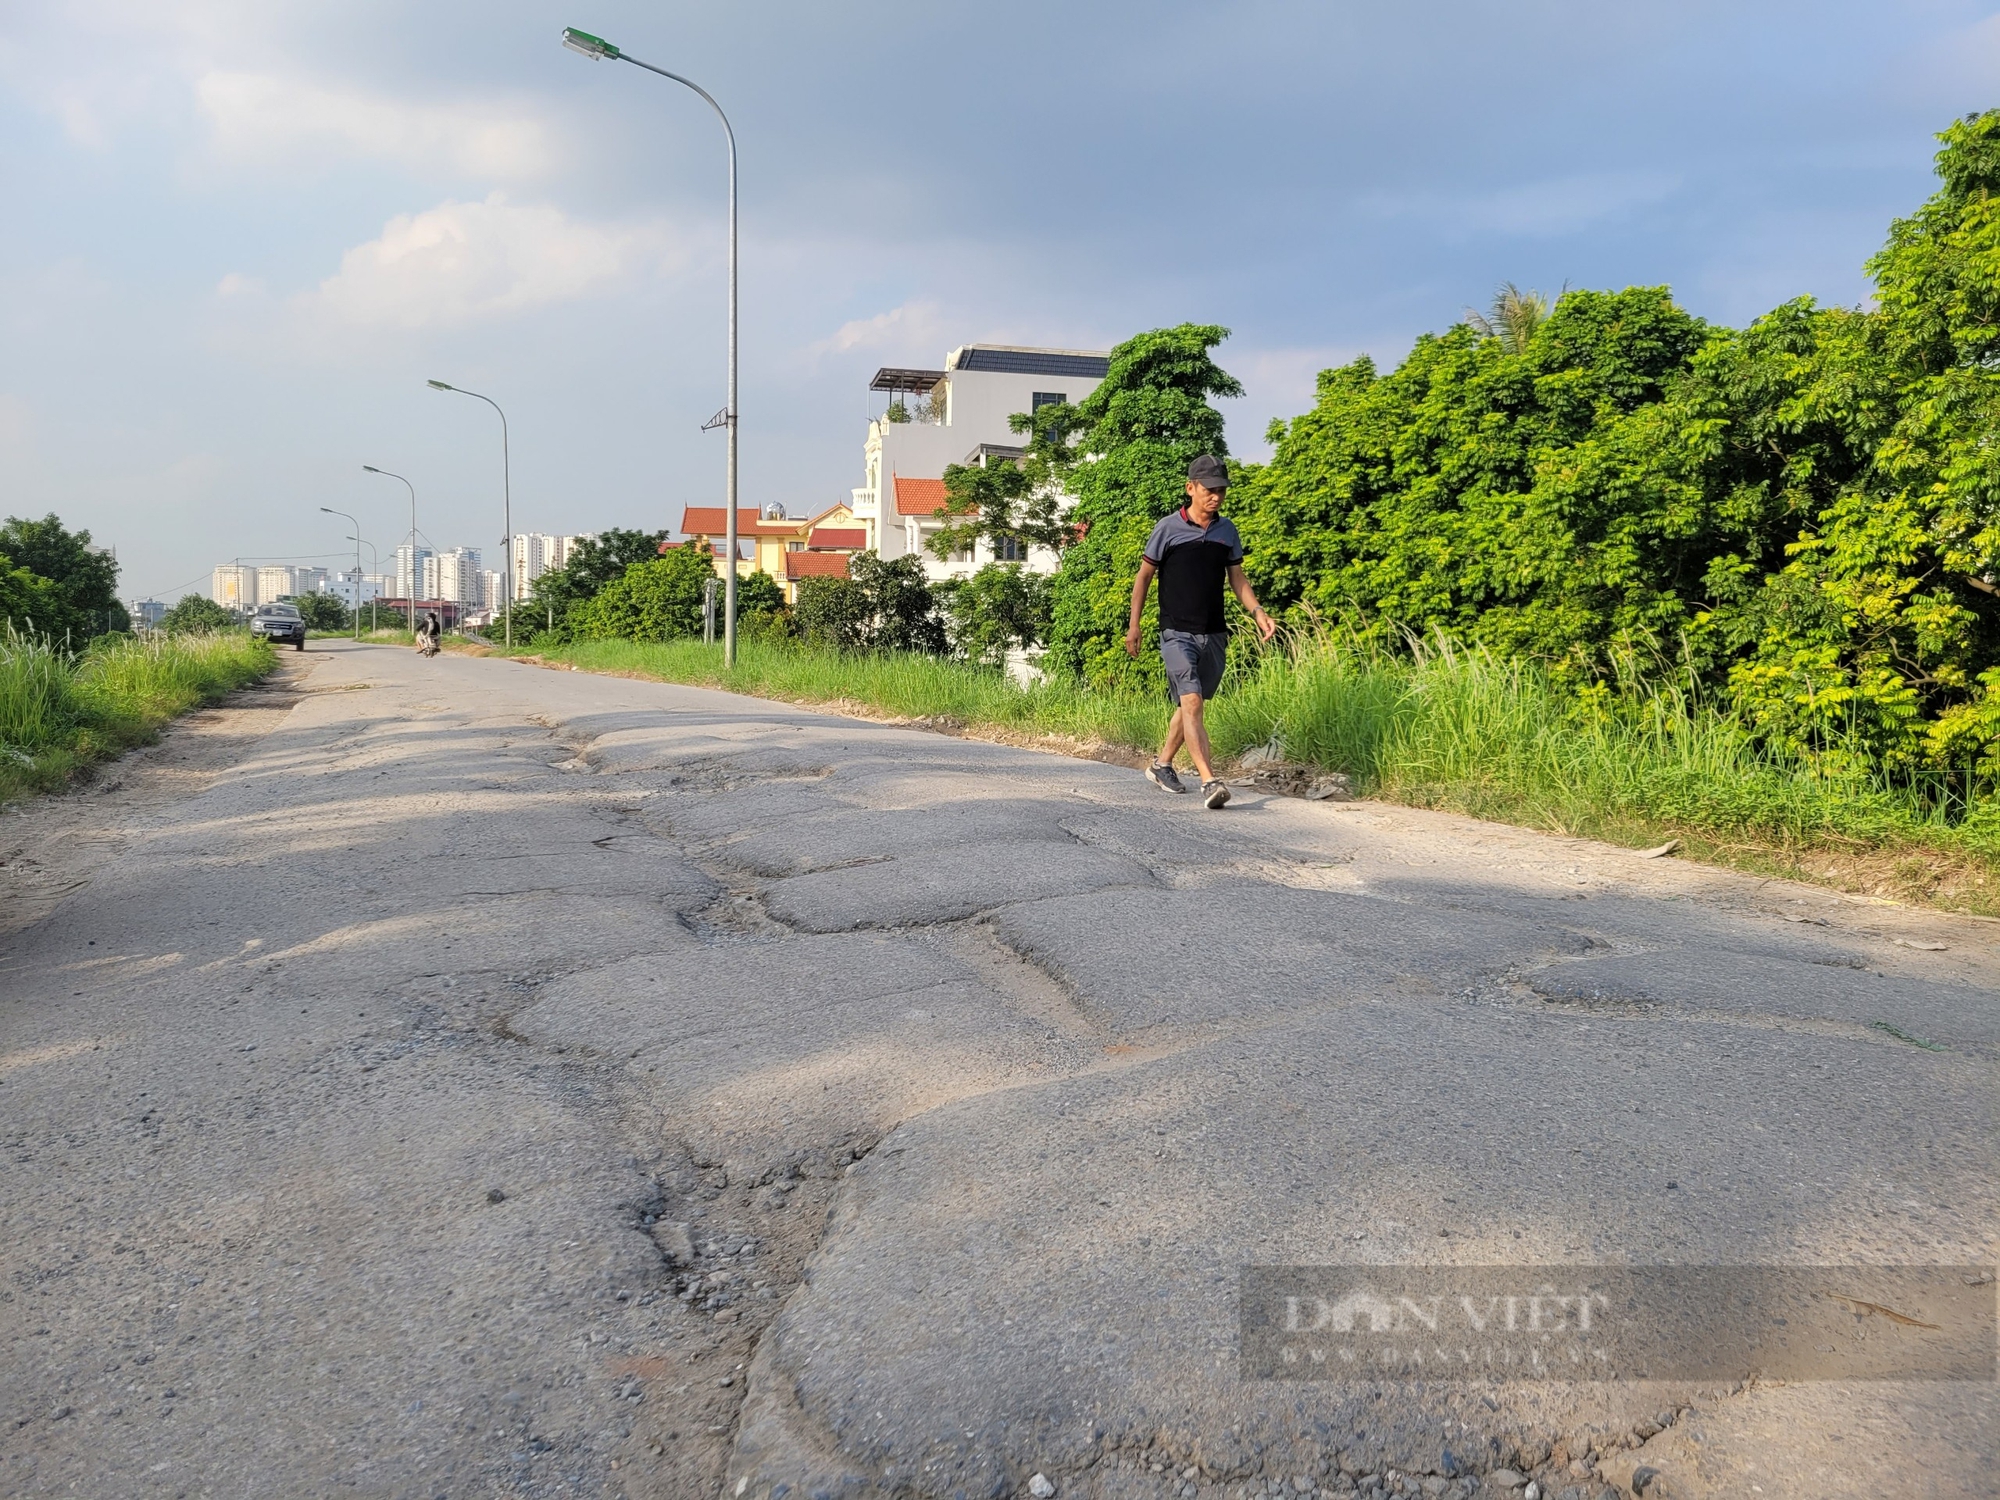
1194	662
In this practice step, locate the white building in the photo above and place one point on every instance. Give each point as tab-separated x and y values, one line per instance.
454	576
409	575
233	586
275	581
354	588
536	553
960	418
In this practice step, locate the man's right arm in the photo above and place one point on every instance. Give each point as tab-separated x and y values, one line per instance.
1139	586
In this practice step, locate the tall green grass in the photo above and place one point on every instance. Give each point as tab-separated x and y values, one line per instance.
1461	729
59	713
1440	726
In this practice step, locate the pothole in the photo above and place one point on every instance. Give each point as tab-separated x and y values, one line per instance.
731	1250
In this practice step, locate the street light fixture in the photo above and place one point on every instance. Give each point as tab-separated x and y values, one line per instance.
416	580
374	623
598	50
507	502
374	617
356	539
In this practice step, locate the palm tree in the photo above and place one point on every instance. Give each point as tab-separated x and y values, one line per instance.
1514	316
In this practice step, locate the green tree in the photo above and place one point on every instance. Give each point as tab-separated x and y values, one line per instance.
653	601
592	564
85	580
1908	557
28	601
833	612
1142	426
1806	511
1546	503
998	609
1512	319
879	606
196	612
324	612
902	610
1014	504
759	599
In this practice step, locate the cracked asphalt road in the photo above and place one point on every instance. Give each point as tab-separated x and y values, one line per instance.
482	1080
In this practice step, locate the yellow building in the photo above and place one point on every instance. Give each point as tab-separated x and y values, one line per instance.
786	547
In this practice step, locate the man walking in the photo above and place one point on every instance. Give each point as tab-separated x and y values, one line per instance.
1194	550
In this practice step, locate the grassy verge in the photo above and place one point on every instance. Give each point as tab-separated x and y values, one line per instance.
57	714
1450	729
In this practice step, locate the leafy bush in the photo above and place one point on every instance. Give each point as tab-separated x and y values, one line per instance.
760	601
593	564
878	606
29	603
651	601
196	613
1000	608
82	598
1805	513
324	612
833	612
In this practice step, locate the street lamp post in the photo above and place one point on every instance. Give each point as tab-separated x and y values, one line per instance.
599	50
356	539
374	623
507	503
416	579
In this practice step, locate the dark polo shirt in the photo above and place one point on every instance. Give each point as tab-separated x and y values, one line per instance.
1194	565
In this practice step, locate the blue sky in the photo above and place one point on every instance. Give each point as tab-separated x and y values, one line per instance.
237	237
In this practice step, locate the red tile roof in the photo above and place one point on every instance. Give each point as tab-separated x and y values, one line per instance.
815	564
838	538
713	520
918	497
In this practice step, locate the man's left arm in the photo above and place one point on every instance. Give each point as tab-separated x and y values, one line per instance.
1239	583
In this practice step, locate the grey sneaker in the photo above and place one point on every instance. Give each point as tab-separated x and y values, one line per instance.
1214	793
1163	777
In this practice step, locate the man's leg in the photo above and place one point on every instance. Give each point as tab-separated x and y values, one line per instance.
1174	737
1189	726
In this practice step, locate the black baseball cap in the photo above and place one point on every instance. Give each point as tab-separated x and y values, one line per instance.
1208	472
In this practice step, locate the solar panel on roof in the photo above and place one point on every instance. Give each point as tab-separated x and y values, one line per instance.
1034	362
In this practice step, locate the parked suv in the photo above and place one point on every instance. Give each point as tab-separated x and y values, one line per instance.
280	622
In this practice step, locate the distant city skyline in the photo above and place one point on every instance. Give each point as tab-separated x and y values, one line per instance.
241	238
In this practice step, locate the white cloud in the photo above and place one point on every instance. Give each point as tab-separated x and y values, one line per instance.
268	118
467	262
917	325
